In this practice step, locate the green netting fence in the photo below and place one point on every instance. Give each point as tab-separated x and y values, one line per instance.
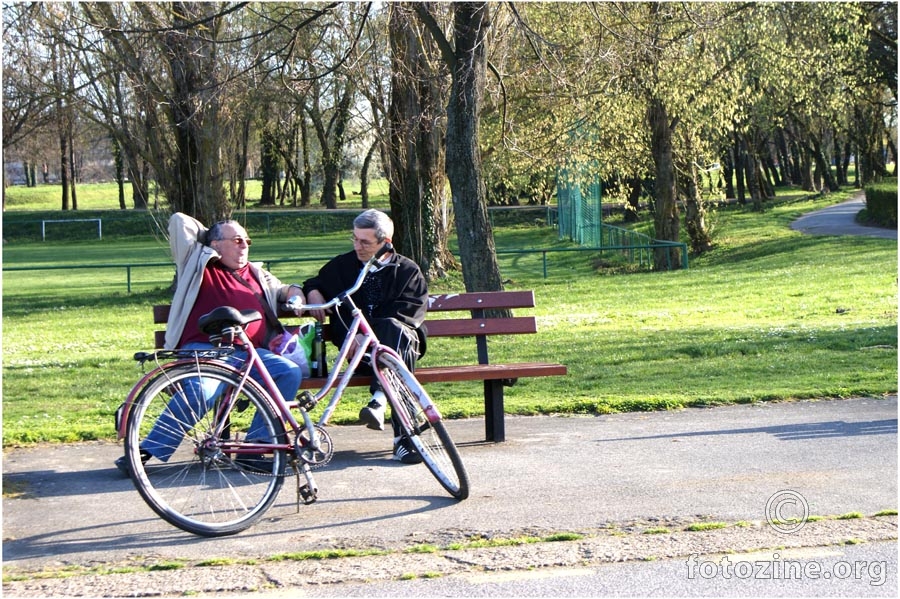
580	219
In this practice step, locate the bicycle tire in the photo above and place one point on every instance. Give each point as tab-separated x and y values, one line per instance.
422	424
207	484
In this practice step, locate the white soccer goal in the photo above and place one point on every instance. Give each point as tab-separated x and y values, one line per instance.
72	220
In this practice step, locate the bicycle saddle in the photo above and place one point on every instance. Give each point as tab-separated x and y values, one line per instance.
225	316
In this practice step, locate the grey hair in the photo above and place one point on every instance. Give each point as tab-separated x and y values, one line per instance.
215	232
377	220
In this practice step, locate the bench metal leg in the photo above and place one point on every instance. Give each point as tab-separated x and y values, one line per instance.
494	428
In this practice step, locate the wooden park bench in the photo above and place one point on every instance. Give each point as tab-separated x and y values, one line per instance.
459	324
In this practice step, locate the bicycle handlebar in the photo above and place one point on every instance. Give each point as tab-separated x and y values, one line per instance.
293	303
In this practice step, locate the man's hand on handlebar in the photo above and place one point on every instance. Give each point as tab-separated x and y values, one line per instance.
316	297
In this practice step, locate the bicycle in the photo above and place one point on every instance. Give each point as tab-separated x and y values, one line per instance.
223	442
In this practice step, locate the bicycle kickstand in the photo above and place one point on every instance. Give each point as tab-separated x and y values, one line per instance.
306	493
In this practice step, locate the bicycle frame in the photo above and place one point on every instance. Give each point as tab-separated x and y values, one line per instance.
368	343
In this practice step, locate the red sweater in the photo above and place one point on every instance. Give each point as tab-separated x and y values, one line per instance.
221	288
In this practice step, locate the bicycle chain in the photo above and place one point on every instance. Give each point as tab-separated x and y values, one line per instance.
326	450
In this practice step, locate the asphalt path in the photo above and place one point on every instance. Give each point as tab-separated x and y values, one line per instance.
554	474
840	219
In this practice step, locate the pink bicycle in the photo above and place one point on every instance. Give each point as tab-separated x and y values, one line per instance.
209	448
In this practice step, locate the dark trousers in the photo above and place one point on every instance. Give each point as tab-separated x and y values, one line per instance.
402	339
399	337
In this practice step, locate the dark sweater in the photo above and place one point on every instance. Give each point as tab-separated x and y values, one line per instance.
396	291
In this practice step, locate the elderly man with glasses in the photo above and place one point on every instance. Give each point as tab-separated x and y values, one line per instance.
213	269
394	299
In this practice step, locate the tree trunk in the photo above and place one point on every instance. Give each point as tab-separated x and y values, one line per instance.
784	159
739	170
139	174
845	163
751	168
195	185
62	127
868	142
73	179
806	175
64	168
239	195
416	163
728	174
695	214
306	182
773	177
767	187
333	147
822	164
633	205
481	272
120	172
892	147
665	215
364	175
269	166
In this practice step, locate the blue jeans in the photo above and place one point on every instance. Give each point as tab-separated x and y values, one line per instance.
186	408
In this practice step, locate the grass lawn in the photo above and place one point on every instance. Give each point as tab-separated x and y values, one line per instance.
770	314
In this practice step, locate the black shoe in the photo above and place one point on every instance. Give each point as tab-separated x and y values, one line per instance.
373	415
122	462
406	452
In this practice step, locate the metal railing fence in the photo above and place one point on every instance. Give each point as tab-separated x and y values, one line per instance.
644	251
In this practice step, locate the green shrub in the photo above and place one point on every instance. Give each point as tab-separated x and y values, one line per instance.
881	203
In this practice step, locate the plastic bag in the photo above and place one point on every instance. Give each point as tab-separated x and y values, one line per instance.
297	347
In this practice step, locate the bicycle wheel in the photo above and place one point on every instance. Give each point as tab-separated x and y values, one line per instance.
412	407
194	446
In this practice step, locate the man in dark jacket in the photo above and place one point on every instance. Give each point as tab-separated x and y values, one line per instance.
394	300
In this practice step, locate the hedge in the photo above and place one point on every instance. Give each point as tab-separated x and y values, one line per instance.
881	203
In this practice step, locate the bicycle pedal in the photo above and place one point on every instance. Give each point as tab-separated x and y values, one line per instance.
307	494
306	401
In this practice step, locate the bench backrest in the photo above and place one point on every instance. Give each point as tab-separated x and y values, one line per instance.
474	324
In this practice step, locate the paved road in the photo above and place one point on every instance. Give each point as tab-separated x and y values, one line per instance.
583	474
840	219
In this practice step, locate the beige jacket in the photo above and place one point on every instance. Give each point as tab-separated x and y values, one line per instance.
187	239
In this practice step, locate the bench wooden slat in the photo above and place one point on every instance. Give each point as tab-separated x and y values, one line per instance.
449	327
466	372
161	314
464	327
481	300
484	372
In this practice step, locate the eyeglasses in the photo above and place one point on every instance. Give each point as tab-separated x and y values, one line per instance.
363	243
238	240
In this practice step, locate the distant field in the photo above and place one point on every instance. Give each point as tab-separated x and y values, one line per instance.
105	196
